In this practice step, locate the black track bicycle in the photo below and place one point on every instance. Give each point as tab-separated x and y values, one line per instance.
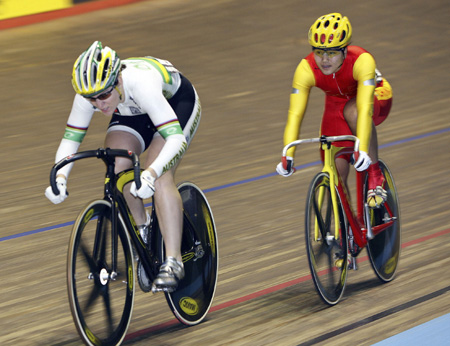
105	243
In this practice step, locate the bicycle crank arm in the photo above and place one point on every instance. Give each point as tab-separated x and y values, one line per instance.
368	225
387	219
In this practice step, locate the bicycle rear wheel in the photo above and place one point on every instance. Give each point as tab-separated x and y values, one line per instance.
327	253
101	300
193	298
384	249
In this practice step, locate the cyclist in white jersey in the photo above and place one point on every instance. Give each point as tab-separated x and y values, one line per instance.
154	108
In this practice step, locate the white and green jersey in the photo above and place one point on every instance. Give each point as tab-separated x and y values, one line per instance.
147	84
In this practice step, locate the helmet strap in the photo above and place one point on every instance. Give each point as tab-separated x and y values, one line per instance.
344	51
116	84
120	94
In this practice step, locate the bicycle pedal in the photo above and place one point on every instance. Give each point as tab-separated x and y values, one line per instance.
339	260
338	263
375	205
165	289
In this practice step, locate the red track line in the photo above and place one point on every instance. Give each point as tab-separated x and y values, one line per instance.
427	237
268	290
70	11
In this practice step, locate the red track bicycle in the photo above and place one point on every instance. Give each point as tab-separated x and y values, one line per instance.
336	234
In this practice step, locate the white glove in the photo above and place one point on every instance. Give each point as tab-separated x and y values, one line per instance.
147	186
363	161
62	187
290	167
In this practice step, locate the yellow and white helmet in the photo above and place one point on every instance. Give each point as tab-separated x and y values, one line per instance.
95	70
330	31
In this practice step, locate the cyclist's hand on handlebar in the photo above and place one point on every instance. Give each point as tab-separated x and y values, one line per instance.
61	183
288	170
147	188
363	161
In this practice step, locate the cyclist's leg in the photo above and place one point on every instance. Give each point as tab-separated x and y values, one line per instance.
343	168
377	194
351	116
117	139
168	204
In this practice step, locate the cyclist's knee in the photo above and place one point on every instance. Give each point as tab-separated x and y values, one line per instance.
342	165
122	164
165	181
351	114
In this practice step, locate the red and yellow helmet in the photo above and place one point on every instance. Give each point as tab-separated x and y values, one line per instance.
330	31
95	70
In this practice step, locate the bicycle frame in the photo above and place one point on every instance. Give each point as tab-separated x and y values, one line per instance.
194	251
362	231
115	197
148	258
113	193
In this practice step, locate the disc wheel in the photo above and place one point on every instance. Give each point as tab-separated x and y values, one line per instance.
193	298
326	247
101	299
384	249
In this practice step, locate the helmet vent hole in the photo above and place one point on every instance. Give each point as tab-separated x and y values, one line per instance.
326	24
85	80
105	69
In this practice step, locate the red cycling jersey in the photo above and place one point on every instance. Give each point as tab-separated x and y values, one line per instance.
355	78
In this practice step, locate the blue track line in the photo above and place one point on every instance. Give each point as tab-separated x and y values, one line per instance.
434	332
245	181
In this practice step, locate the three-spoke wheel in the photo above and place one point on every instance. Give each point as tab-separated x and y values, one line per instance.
100	275
326	240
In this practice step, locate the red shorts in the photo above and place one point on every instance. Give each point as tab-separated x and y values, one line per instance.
334	123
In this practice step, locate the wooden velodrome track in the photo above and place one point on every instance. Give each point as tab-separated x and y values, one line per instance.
241	56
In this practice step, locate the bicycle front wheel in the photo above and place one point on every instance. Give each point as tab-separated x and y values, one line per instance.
384	249
326	246
100	282
193	298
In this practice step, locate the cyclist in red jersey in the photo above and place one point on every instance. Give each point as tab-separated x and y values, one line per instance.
357	98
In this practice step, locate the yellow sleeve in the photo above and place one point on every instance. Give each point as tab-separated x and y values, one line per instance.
301	85
364	73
